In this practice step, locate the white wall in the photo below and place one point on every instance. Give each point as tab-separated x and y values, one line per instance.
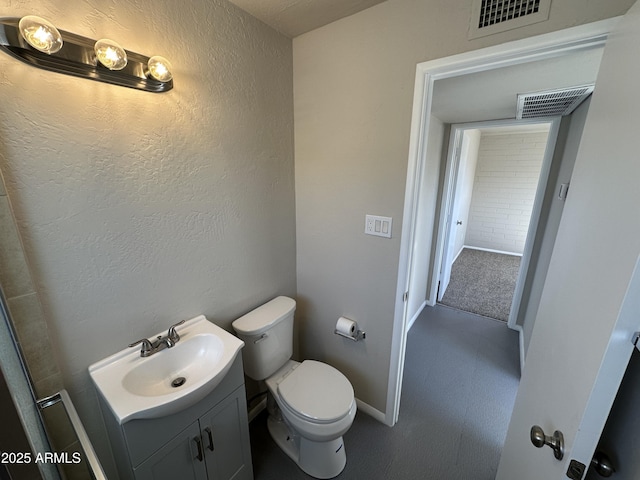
504	190
353	94
141	209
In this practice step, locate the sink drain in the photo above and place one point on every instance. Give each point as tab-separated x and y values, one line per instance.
178	382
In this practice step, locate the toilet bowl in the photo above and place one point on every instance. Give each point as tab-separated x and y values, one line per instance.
311	404
316	407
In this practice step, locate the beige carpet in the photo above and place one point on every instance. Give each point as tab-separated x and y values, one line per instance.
483	283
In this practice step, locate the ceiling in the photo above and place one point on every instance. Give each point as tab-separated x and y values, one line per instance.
492	95
295	17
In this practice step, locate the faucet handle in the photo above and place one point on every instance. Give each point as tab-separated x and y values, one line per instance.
146	348
173	335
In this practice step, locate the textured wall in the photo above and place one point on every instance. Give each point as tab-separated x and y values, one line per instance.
504	190
353	94
140	209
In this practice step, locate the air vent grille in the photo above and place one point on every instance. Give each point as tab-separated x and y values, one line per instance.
494	16
552	103
497	11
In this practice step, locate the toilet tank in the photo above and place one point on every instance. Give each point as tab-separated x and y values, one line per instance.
267	333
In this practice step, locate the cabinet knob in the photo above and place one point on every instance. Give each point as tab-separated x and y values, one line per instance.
602	464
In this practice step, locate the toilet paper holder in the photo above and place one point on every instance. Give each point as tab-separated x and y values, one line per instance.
359	335
347	328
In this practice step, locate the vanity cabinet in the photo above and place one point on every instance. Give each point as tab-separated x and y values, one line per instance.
209	440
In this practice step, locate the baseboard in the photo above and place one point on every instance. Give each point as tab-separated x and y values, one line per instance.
417	314
493	251
372	412
458	254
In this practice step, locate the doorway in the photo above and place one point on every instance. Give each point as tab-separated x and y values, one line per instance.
421	170
495	180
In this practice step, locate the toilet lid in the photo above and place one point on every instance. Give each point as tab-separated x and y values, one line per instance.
317	391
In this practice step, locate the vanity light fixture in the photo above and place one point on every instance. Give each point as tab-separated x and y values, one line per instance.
39	43
40	34
160	68
110	54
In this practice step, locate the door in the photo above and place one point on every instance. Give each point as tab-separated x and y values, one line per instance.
463	193
464	166
182	457
590	305
225	434
452	177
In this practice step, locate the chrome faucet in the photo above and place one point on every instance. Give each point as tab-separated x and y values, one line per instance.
150	347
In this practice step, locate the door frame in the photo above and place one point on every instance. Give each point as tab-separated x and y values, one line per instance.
448	198
530	49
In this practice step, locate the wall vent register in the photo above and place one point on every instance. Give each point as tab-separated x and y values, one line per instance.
551	103
494	16
497	11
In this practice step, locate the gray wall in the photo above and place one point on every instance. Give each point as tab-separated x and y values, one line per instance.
561	169
353	92
24	304
139	209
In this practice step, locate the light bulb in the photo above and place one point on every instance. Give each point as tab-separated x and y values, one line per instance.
160	68
110	54
40	34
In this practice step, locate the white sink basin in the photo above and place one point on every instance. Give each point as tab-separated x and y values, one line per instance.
137	387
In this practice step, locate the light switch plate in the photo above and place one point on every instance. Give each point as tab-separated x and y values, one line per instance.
378	226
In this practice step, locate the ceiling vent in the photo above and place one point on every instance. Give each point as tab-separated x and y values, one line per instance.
552	103
494	16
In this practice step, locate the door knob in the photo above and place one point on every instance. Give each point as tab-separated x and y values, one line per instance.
556	442
602	464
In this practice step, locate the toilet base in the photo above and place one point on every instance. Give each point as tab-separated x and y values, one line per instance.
318	459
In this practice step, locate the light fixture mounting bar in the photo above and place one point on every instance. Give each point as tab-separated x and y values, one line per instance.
78	58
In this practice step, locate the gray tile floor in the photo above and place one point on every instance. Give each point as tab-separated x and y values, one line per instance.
460	381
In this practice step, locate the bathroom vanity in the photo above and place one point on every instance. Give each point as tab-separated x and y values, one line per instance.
208	440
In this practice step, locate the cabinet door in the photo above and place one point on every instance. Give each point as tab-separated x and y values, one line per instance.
225	434
178	459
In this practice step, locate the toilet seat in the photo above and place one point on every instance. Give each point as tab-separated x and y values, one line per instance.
317	392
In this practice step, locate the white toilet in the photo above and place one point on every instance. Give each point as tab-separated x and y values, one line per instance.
314	402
